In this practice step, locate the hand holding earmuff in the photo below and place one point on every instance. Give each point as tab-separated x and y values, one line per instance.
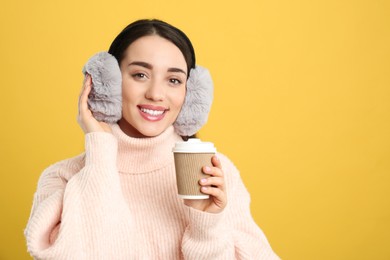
105	98
85	118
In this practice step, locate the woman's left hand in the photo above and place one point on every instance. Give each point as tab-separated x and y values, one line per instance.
213	186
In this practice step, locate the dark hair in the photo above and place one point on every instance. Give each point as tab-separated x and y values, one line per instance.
147	27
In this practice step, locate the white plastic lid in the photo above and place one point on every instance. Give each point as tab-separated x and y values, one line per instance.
194	145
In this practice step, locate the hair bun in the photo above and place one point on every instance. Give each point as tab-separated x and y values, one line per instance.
105	98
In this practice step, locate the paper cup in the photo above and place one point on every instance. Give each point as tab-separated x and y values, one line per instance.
190	157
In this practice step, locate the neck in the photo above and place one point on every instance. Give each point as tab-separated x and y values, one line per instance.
129	130
141	155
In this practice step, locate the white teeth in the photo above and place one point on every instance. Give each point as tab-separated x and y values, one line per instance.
152	112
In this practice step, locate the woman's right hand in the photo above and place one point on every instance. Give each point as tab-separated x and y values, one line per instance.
85	118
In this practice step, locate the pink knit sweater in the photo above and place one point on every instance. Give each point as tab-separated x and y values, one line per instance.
118	200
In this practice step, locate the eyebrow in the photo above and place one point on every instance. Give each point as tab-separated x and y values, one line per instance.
177	70
149	66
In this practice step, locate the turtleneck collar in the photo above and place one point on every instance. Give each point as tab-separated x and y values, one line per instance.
142	155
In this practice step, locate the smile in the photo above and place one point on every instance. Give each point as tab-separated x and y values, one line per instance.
152	113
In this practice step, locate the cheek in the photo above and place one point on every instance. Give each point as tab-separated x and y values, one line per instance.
127	88
128	92
179	98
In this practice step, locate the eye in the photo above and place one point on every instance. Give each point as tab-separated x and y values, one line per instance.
175	81
139	76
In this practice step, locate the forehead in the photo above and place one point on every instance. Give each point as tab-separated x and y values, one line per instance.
155	50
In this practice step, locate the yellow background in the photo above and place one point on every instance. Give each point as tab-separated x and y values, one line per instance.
302	106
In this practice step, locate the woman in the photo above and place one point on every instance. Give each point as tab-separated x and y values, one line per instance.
118	200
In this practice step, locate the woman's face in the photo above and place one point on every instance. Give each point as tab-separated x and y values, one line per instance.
154	74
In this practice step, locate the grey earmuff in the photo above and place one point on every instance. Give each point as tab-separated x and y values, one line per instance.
197	104
105	99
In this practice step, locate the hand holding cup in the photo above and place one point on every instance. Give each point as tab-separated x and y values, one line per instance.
199	176
214	185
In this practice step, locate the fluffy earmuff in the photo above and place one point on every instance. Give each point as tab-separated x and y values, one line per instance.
197	103
105	99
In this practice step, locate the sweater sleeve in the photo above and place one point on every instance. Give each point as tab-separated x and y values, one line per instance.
78	210
232	234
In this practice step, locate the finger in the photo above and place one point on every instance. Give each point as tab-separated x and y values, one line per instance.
83	102
216	162
212	181
87	85
215	192
86	78
214	171
82	90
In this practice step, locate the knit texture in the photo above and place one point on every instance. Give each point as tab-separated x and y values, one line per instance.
118	200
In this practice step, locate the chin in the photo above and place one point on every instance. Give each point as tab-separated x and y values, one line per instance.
151	132
143	129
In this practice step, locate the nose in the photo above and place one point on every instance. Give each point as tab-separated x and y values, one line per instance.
155	91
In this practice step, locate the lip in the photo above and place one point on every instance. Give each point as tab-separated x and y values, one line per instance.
152	118
152	107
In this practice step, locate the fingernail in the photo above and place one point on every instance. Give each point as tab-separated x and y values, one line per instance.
207	169
204	188
203	180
